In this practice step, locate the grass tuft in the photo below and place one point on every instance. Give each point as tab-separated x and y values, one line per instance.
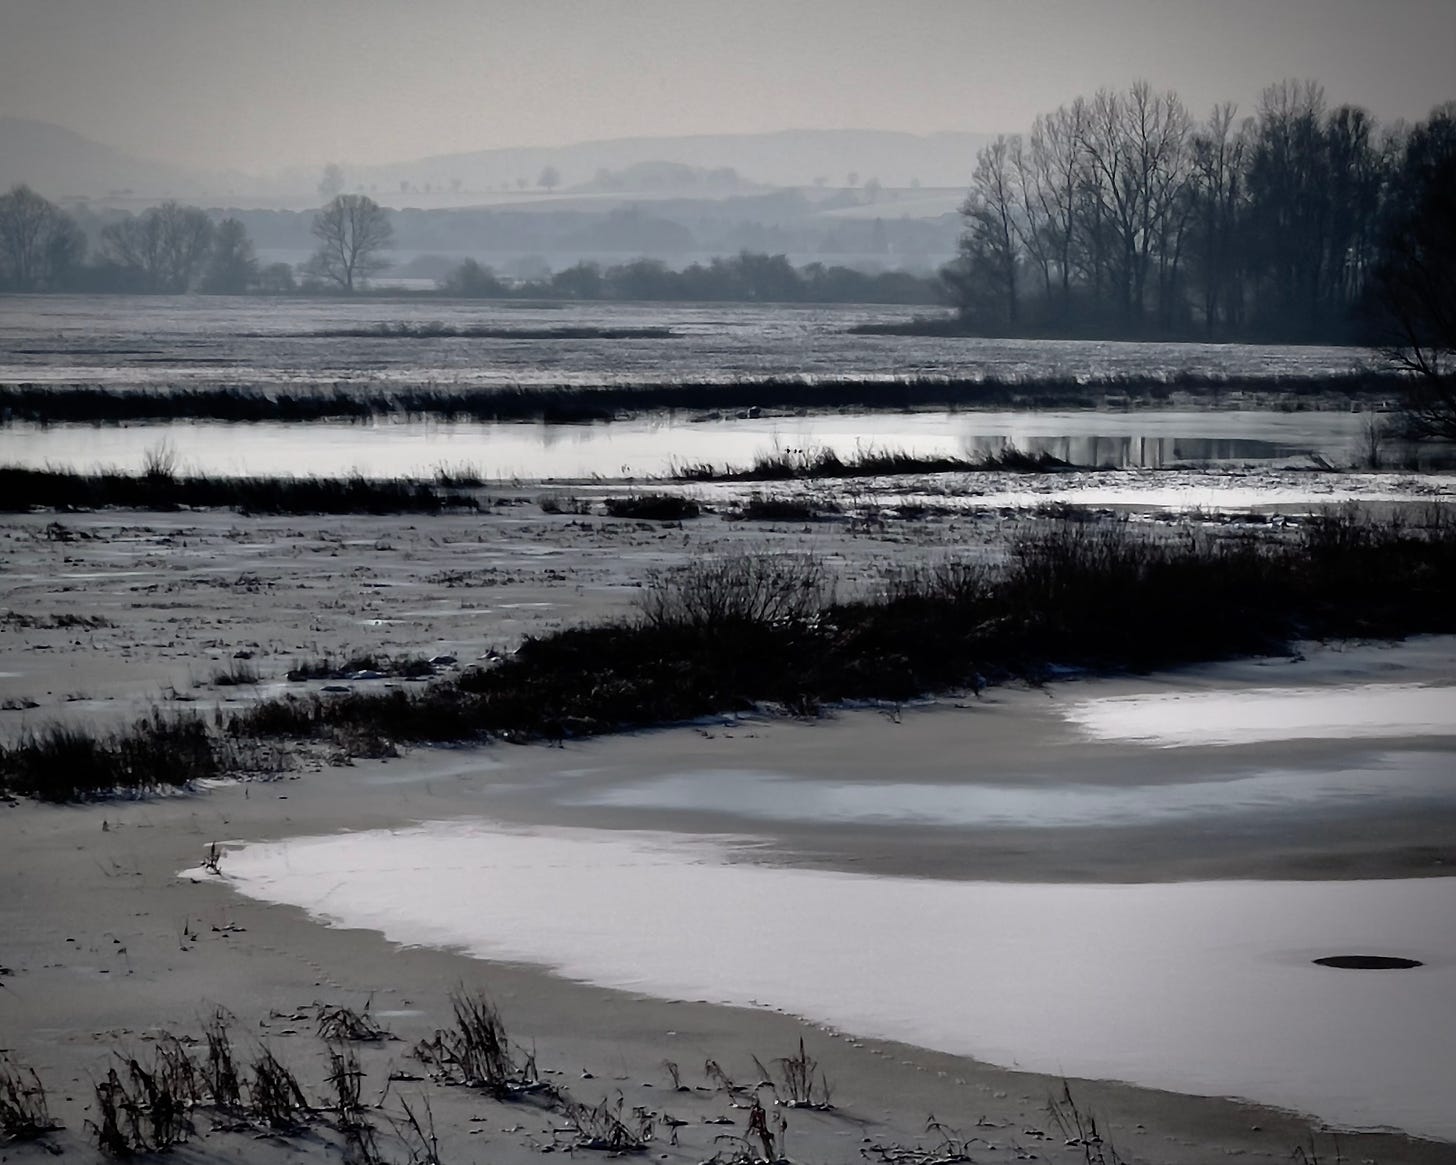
274	1095
477	1053
602	1126
344	1024
63	763
778	508
235	675
656	507
24	1114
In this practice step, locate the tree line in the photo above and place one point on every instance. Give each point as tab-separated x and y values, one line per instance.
748	277
176	249
1120	214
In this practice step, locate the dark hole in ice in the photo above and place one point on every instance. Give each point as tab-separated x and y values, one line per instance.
1368	962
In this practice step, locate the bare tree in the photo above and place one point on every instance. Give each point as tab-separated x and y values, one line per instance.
1135	147
39	245
1052	178
983	279
1218	194
1415	284
351	230
1288	183
232	268
169	244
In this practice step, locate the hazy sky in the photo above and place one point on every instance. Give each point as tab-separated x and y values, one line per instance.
259	84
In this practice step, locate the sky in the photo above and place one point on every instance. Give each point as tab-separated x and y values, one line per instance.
257	85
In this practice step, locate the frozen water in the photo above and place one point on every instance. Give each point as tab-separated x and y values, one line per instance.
1198	987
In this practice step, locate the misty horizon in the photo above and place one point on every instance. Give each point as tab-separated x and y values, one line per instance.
271	87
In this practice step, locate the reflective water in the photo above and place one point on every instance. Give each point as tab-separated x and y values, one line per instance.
653	446
1409	779
1172	719
1196	987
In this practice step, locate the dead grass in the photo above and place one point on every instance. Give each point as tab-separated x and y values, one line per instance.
274	1095
345	1083
219	1071
24	1114
1079	1129
603	1127
335	1024
477	1053
802	1083
147	1109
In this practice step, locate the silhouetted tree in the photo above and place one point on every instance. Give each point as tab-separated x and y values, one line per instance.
983	279
40	246
1119	215
168	245
1415	281
1218	202
232	269
1052	191
351	230
276	279
642	279
1136	170
472	279
582	281
549	179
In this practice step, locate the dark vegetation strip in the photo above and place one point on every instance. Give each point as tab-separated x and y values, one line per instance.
731	634
24	489
78	403
653	507
367	663
65	763
824	462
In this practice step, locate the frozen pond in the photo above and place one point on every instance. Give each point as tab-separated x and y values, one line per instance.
1203	988
1259	714
209	340
653	446
1405	779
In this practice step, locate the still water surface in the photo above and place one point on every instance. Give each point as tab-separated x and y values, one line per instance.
1411	780
654	446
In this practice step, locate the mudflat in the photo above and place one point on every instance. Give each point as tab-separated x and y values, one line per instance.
113	935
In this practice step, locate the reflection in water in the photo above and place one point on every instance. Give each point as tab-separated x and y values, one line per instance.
1172	719
1411	778
654	445
1136	452
1197	987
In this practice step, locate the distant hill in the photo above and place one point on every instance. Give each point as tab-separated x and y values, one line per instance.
60	163
787	158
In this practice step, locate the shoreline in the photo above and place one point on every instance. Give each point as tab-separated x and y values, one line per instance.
115	892
181	594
